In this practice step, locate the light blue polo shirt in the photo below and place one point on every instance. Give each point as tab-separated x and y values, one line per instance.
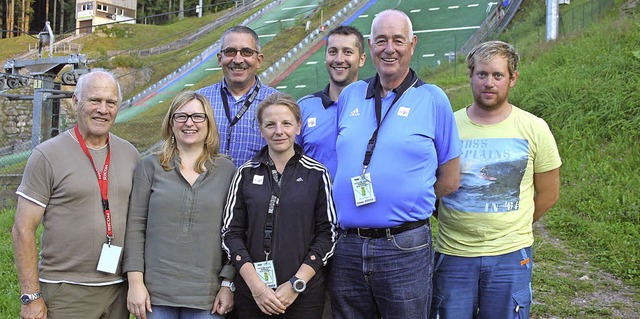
319	128
417	135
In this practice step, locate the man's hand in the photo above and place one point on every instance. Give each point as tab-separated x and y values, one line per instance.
34	310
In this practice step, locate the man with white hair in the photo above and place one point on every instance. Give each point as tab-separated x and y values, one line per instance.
77	184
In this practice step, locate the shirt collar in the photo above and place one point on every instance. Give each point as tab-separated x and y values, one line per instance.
410	79
226	87
324	96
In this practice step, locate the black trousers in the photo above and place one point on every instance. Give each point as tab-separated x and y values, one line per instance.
308	305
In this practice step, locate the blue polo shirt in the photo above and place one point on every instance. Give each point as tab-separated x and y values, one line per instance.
318	132
417	135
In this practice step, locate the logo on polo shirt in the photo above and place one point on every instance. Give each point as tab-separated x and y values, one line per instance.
403	111
355	112
258	179
311	122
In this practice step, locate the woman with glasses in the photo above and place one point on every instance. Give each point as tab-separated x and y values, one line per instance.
279	222
172	254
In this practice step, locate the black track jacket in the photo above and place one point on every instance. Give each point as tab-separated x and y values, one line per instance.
304	223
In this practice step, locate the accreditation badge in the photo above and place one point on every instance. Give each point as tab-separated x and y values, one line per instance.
363	189
109	258
267	273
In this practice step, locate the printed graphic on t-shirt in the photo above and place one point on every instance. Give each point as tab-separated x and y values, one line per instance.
491	174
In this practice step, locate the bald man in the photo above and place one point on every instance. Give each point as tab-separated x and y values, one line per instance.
398	150
77	185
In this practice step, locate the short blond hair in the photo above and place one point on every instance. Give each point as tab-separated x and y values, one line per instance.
486	51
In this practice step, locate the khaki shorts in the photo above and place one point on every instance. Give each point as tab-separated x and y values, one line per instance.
69	301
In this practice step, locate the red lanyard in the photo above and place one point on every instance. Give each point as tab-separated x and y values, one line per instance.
103	180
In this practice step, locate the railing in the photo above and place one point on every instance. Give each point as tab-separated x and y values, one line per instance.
497	20
309	41
211	50
234	13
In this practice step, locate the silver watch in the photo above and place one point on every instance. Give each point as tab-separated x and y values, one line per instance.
228	284
28	298
298	284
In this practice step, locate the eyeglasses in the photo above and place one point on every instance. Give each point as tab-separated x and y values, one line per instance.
245	52
184	117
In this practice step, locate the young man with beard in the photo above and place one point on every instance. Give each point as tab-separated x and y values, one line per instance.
344	56
234	99
510	178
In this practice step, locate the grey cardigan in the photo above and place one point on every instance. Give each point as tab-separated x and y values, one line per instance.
173	232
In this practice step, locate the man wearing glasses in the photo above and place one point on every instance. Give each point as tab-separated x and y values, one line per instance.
235	98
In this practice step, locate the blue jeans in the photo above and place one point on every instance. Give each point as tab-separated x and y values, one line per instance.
382	277
482	287
168	312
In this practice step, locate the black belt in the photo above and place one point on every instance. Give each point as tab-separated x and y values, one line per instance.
384	232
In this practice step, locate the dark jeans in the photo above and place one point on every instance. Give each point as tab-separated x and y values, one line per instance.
382	277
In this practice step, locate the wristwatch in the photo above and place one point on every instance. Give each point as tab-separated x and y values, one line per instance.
298	284
228	284
28	298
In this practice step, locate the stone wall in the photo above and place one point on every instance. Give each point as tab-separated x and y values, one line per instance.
16	116
16	120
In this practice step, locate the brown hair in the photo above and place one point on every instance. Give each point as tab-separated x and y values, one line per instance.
349	30
279	99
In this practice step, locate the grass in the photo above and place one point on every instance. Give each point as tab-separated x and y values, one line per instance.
15	46
9	290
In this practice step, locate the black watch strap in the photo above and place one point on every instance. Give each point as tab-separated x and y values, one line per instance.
298	284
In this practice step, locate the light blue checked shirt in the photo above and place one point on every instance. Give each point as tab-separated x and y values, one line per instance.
245	139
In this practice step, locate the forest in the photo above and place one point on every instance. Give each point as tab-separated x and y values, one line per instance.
22	17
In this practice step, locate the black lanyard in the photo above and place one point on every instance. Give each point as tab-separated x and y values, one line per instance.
245	107
273	208
378	108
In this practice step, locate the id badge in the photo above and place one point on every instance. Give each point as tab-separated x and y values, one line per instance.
363	189
267	273
109	258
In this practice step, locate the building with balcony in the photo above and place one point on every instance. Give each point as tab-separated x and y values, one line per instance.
90	14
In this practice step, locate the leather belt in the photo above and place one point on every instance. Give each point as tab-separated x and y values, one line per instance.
384	232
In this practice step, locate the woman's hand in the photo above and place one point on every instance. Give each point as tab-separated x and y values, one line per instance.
138	300
267	301
286	294
223	303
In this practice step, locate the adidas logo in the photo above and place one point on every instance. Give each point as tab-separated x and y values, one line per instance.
299	179
355	112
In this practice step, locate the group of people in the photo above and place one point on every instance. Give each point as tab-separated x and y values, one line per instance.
261	206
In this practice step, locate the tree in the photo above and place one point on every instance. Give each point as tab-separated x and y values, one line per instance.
10	17
61	17
181	8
